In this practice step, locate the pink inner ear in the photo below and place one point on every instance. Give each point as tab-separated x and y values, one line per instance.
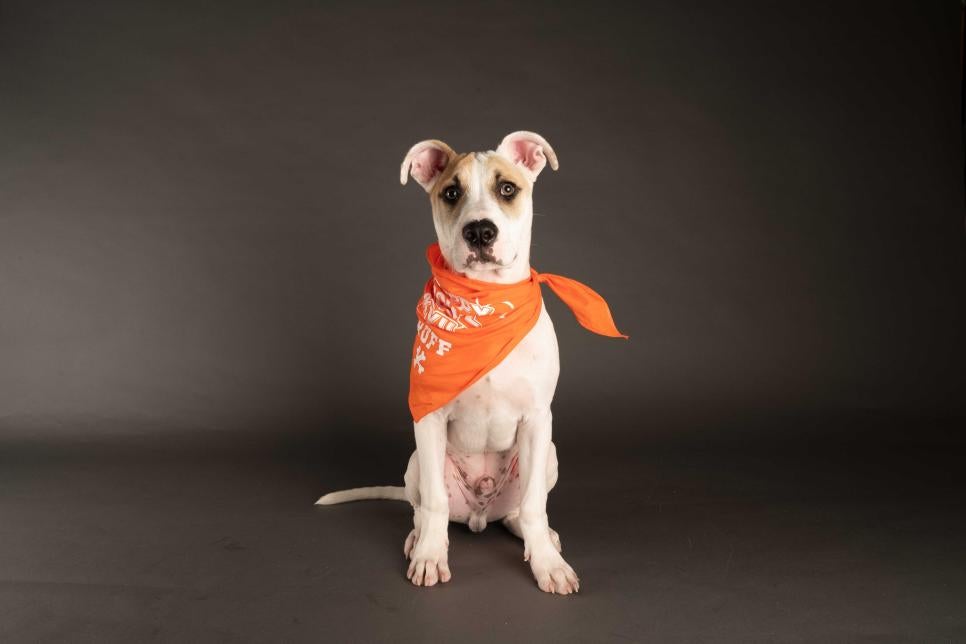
527	153
427	163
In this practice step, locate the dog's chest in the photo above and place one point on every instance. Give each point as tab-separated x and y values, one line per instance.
485	417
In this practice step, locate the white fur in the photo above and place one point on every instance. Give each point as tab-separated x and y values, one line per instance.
512	246
504	414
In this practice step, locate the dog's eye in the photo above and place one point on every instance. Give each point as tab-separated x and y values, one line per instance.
507	189
452	194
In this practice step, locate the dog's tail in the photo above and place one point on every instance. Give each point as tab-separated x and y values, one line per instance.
391	492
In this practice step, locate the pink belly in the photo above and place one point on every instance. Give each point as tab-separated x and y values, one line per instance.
482	487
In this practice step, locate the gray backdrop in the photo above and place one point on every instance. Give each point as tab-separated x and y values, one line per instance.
201	223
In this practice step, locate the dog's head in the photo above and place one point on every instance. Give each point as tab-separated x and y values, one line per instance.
482	202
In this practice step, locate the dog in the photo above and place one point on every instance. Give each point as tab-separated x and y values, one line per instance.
487	454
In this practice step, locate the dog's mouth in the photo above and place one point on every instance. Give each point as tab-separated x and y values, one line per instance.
484	256
485	260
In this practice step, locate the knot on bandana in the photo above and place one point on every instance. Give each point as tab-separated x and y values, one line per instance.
465	327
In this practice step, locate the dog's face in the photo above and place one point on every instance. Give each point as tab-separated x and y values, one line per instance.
482	201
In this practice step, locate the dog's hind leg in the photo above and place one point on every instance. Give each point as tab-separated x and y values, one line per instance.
512	523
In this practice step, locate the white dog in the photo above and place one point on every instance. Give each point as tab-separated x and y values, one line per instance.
487	453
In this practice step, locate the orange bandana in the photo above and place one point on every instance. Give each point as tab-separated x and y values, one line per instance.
466	327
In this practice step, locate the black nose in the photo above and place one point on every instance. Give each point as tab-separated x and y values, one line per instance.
480	233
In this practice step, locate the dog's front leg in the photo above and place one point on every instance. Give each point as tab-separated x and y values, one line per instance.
553	574
429	556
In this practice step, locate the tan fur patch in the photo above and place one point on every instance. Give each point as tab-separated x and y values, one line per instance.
460	166
499	169
496	169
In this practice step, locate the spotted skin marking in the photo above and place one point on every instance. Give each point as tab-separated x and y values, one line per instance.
482	487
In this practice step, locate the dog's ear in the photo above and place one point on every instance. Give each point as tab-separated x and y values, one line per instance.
425	161
528	150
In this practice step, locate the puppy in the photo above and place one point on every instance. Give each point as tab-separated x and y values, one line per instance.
483	451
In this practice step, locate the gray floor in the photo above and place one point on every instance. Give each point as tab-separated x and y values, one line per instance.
794	528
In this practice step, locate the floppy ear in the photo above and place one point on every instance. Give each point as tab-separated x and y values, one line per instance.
425	161
529	150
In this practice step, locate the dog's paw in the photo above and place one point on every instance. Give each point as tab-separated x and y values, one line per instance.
428	565
553	574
